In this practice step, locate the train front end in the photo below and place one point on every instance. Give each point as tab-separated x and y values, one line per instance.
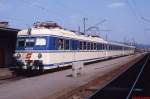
29	53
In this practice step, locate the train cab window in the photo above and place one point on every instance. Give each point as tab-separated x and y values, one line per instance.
67	44
60	44
40	41
30	42
21	43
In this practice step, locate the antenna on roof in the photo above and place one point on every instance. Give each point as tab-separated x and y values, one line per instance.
29	31
47	24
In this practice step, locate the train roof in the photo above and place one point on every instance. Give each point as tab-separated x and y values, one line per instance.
120	44
52	28
60	33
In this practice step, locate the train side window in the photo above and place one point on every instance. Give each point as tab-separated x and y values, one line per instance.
110	47
40	42
105	46
114	47
81	45
102	46
98	46
92	46
88	46
71	44
84	45
55	43
67	45
60	44
74	44
95	46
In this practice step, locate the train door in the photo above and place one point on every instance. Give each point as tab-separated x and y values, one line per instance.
1	57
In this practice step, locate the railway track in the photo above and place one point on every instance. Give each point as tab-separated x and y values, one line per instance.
133	84
83	92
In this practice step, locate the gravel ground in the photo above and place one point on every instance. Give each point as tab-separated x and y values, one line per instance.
54	85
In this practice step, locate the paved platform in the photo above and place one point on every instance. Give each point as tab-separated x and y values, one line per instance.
4	72
58	83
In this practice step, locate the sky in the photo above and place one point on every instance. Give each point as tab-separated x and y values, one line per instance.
125	20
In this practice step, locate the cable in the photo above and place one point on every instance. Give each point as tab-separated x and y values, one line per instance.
38	5
68	7
135	13
96	24
145	19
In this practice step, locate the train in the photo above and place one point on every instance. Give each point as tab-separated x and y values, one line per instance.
47	46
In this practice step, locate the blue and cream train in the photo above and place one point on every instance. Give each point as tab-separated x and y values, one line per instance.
47	46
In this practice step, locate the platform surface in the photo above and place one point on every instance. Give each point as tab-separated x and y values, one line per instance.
58	83
4	72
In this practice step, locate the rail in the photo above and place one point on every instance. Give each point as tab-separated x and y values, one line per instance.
127	84
129	94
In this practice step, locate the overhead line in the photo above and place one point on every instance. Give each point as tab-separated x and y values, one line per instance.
145	19
68	7
135	13
43	8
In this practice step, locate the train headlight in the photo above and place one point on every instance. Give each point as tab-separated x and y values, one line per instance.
39	55
18	56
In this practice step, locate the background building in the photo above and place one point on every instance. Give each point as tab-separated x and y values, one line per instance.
7	44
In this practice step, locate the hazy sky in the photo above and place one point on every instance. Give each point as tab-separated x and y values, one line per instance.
127	19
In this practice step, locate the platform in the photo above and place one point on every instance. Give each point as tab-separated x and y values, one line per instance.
53	85
4	72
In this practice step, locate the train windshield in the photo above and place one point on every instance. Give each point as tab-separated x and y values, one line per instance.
40	42
21	42
31	42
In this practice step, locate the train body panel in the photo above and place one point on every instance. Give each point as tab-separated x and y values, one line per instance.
60	58
43	48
